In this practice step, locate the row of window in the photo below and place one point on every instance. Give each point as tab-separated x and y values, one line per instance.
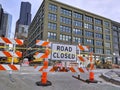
77	39
67	12
65	29
53	26
80	24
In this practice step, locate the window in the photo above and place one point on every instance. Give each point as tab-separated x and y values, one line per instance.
91	49
77	31
88	26
66	12
77	40
88	34
65	29
77	23
52	35
119	34
107	31
52	26
99	36
115	46
77	15
88	18
99	43
115	33
97	28
106	24
53	8
116	53
99	51
52	17
114	27
107	44
98	21
89	41
107	37
65	37
115	39
107	51
65	20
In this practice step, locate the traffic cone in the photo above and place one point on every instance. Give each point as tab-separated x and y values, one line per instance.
44	81
44	78
91	76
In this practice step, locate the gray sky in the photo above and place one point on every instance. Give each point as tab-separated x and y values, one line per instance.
107	8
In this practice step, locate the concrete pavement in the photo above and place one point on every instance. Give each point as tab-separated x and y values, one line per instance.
27	77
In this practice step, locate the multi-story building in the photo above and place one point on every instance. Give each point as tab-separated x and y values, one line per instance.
6	25
23	21
25	13
1	13
62	23
116	41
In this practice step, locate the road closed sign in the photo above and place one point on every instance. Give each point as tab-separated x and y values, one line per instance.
63	52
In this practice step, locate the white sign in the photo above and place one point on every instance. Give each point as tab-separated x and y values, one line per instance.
63	52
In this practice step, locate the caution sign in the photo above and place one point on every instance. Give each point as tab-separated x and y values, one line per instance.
63	52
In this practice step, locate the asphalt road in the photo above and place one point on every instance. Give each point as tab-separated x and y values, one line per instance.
27	77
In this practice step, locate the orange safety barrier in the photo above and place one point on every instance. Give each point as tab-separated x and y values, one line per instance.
11	41
10	54
44	81
83	48
43	43
5	67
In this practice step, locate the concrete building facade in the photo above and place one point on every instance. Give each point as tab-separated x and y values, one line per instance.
61	23
116	41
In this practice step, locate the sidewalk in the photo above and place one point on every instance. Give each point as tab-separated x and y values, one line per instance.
112	76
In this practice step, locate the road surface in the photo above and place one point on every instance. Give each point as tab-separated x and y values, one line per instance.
27	77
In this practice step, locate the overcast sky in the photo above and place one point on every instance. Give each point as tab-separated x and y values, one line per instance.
107	8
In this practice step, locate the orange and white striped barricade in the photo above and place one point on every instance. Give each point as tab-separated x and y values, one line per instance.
43	43
80	60
71	69
9	67
91	73
83	48
44	81
11	41
41	68
10	54
41	55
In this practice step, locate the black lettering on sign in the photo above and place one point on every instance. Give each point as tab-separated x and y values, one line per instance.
73	56
70	49
58	48
62	48
62	55
66	48
65	55
54	55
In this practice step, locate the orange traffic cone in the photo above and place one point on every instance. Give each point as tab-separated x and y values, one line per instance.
44	78
91	77
44	81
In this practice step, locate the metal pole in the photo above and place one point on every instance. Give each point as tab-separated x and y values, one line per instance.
10	73
14	45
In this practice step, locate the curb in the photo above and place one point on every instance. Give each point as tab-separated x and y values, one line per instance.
110	79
